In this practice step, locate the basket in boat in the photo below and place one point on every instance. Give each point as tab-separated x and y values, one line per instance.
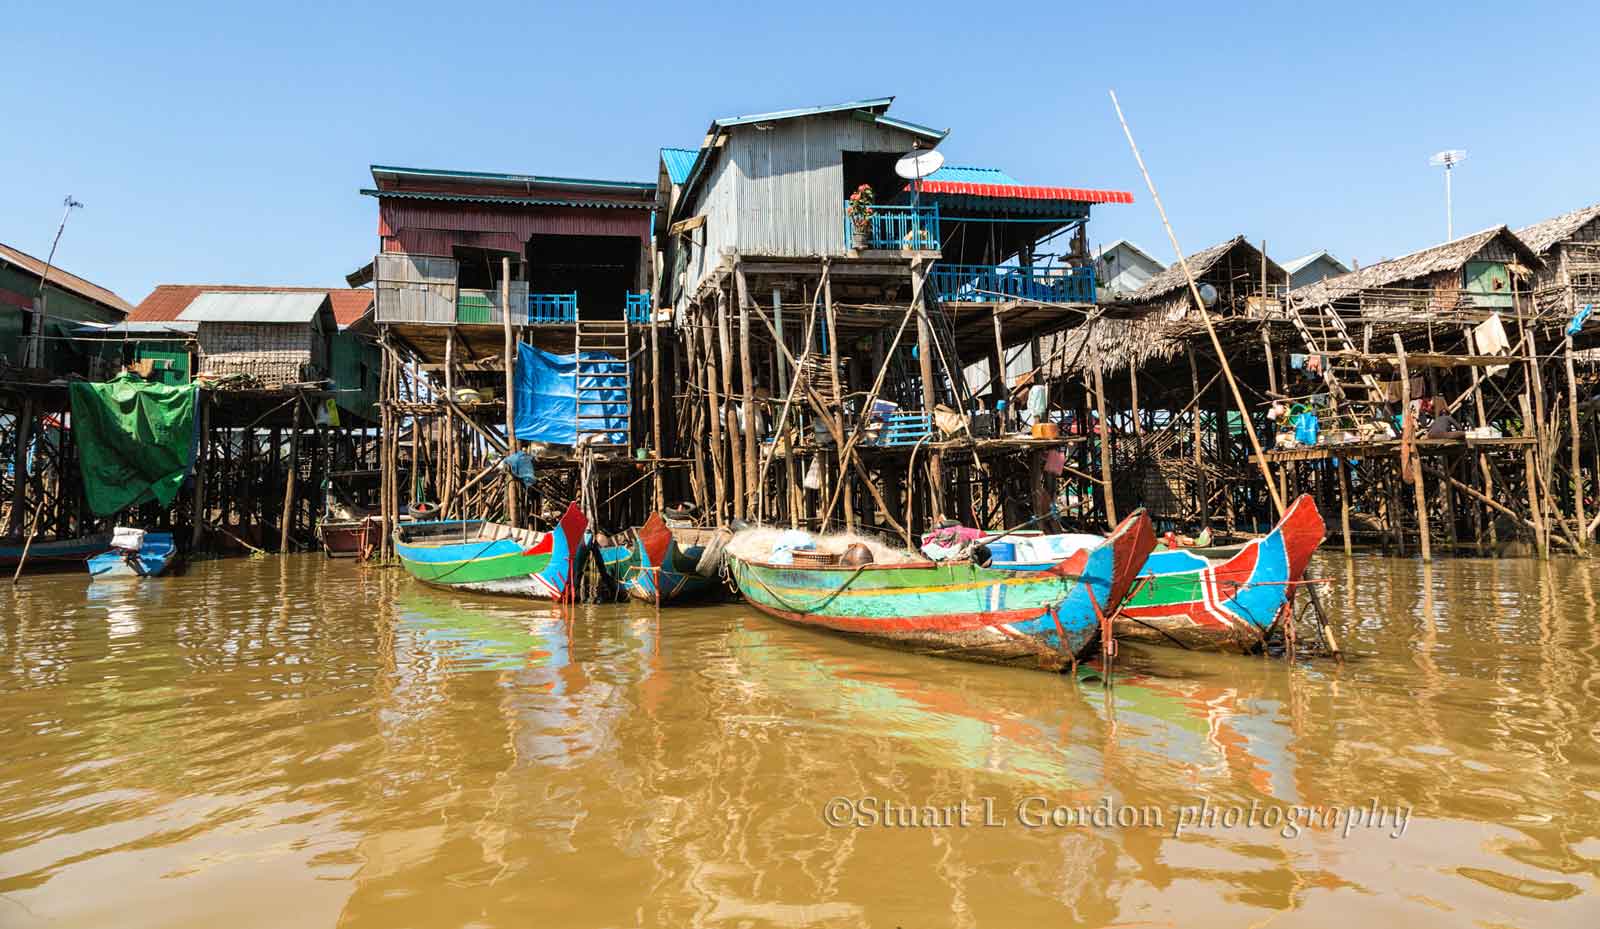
815	559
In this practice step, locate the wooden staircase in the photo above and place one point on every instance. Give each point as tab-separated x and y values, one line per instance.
604	382
1324	333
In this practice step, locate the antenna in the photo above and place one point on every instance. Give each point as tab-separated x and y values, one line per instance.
30	351
914	166
1448	159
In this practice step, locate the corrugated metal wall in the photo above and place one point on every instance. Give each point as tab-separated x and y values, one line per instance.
779	192
433	228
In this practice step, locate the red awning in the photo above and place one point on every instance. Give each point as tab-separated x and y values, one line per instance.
1017	192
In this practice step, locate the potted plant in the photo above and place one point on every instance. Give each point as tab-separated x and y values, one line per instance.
859	209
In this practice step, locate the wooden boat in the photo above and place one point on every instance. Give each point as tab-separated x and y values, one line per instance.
57	551
349	538
958	609
1222	599
154	556
661	558
488	557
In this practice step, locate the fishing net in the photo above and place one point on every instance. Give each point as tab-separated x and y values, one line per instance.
756	544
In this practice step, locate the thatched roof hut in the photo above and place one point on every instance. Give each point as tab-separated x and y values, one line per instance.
1569	244
1440	269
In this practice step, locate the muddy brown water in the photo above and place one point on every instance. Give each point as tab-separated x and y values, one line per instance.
301	742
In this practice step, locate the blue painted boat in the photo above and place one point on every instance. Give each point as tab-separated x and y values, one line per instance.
56	551
493	558
659	564
153	557
1220	599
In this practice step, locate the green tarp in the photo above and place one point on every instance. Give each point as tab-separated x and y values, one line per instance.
135	441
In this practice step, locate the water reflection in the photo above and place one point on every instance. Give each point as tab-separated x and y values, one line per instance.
296	740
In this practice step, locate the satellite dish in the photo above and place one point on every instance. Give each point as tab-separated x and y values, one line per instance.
1208	294
918	165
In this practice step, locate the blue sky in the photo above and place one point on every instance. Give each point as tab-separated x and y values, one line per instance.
227	146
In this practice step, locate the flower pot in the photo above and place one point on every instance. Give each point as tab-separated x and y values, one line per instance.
861	234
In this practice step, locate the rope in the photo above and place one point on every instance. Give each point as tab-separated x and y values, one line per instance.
814	607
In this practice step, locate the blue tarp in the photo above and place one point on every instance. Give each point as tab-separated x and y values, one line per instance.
549	392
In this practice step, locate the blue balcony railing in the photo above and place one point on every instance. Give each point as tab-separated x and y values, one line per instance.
998	283
897	227
553	308
637	310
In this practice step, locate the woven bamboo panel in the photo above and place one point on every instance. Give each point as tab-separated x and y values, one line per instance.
271	369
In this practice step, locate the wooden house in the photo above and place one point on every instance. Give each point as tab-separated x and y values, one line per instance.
64	302
1569	246
1317	266
1121	268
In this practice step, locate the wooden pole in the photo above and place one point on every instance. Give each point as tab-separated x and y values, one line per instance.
736	457
292	478
1202	483
1105	444
838	398
752	437
512	515
1577	440
198	506
1200	306
1410	464
1343	465
919	273
714	398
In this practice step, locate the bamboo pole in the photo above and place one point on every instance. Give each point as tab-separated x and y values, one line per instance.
1205	316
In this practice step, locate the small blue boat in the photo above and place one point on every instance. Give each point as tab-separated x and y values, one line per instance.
661	564
154	556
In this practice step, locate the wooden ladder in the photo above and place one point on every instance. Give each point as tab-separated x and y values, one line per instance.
604	382
1324	333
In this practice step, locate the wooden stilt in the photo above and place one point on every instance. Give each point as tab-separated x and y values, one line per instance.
1108	495
293	474
1410	464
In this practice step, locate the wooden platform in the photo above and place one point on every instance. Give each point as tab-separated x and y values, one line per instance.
1390	448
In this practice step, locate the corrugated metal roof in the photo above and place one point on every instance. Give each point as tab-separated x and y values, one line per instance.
503	201
679	162
390	171
62	279
235	306
970	175
1294	266
168	301
877	104
1025	192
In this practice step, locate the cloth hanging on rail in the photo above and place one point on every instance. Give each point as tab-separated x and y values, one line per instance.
1579	318
1490	338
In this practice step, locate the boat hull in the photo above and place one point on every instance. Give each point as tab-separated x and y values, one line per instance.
653	568
152	559
544	570
958	609
1229	604
61	550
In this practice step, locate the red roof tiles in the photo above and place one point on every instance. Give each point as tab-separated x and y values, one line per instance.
168	300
